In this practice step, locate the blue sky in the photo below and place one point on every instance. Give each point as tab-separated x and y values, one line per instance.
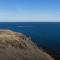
30	10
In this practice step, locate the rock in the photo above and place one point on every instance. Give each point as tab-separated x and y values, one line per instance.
17	46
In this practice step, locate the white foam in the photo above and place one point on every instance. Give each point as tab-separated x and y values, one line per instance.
24	26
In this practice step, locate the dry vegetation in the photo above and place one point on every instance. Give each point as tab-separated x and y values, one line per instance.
17	46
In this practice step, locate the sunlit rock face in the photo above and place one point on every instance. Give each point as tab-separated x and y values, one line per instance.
17	46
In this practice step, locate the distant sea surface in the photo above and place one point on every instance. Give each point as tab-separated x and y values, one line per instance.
44	34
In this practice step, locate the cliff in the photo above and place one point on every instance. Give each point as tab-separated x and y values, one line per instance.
17	46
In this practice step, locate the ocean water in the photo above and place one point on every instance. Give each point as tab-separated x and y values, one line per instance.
44	34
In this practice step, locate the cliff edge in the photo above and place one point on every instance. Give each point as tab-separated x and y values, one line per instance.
17	46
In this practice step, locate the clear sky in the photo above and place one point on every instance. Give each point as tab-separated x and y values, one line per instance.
30	10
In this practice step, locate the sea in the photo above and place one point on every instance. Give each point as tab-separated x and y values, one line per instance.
45	35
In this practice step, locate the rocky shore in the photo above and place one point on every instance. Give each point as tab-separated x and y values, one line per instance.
17	46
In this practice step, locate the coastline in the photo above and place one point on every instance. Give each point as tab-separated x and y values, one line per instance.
11	41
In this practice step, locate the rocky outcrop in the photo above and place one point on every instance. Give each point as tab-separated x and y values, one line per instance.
17	46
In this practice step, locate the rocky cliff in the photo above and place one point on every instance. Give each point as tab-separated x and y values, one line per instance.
17	46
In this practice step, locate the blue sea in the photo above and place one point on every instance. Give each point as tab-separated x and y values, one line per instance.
44	34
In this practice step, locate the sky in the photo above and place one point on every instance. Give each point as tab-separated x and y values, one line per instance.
29	10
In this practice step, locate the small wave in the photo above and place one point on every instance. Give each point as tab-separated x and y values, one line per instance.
24	26
20	26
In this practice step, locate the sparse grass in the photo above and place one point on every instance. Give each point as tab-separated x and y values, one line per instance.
16	46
